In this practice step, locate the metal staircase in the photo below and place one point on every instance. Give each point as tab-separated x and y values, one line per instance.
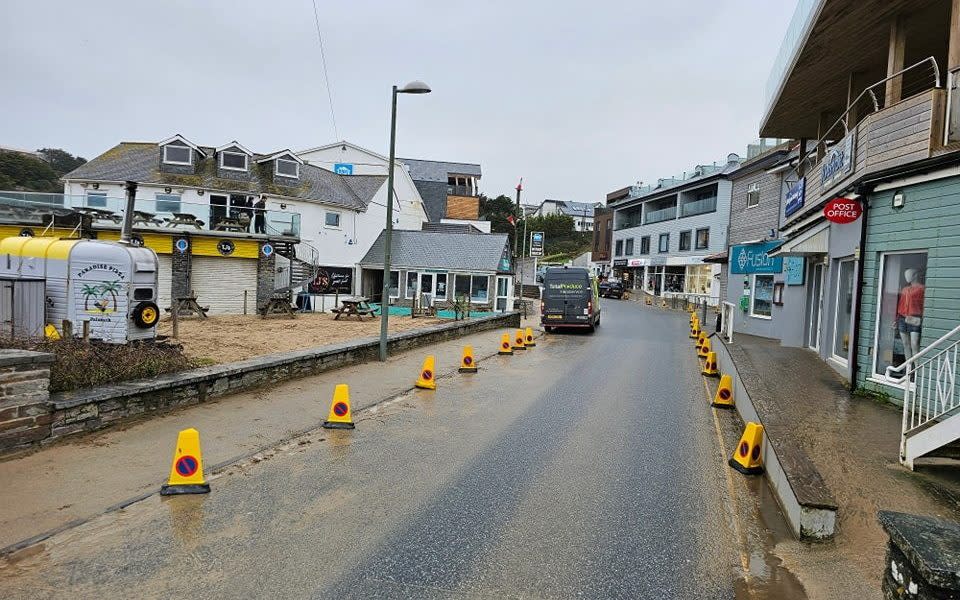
300	267
931	401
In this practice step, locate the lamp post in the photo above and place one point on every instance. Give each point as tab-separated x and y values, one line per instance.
414	87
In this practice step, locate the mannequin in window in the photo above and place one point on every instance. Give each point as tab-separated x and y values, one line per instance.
910	312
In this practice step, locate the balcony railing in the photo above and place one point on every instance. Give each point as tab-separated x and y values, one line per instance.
151	213
461	190
664	214
796	32
698	207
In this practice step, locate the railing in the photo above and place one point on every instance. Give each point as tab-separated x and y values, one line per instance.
664	214
727	313
698	207
154	213
929	384
461	190
799	24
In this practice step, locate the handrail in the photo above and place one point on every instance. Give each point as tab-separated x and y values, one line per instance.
913	359
844	117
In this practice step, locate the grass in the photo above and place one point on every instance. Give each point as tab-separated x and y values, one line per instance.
80	365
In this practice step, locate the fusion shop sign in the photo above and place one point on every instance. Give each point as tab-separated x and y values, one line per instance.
755	258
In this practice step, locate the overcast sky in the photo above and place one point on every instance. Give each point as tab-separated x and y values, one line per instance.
578	98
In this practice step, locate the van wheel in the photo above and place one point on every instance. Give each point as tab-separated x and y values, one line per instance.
548	329
146	315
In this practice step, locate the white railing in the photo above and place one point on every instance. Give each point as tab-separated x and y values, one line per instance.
929	384
728	311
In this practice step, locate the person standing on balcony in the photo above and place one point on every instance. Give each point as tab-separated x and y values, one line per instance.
260	217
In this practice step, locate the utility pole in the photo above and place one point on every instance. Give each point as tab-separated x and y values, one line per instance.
517	260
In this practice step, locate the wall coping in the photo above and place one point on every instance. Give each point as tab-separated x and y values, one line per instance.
12	358
74	398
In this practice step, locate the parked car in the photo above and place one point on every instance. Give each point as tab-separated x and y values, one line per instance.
612	288
570	299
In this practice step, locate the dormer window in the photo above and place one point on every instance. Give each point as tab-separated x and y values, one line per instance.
174	154
287	168
233	161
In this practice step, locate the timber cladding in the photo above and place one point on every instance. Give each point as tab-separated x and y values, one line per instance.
463	207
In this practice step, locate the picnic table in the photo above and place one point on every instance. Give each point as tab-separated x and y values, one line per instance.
188	305
357	306
99	214
232	224
184	219
147	218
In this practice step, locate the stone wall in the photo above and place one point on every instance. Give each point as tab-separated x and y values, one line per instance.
24	393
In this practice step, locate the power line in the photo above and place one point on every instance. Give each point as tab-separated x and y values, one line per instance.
326	76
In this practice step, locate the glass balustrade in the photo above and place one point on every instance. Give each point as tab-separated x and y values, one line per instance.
698	207
664	214
154	213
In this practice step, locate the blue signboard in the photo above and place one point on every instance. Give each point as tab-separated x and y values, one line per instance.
794	267
754	258
796	196
343	169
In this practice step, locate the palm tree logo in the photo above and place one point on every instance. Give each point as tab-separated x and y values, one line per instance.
88	291
99	294
110	288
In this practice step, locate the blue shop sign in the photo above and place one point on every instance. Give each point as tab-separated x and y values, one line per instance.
796	196
755	258
343	169
796	266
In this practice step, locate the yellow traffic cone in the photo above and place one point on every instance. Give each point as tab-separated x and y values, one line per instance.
701	335
710	365
747	457
505	345
704	348
186	474
528	340
724	396
340	416
428	375
468	364
518	340
695	330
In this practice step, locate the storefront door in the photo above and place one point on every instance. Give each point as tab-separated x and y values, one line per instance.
503	294
815	307
844	302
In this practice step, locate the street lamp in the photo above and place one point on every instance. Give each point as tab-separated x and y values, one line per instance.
414	87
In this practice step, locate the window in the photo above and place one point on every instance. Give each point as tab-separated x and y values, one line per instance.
287	168
441	286
703	239
461	286
899	309
619	250
753	195
699	279
411	285
394	289
761	299
841	324
233	161
645	245
143	294
628	248
168	203
332	219
685	240
478	288
664	243
97	199
177	155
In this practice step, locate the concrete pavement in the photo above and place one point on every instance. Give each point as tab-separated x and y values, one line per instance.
589	466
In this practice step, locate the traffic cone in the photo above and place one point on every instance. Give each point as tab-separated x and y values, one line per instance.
468	364
428	375
746	458
704	348
518	340
724	396
340	416
186	474
701	335
505	345
528	340
695	329
710	365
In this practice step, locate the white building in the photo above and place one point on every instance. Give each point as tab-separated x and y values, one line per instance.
580	212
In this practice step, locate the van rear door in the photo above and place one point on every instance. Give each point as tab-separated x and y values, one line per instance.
566	297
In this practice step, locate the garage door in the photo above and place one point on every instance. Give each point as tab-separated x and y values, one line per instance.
220	283
165	281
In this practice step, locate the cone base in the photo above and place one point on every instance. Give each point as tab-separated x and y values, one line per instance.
467	369
715	405
337	425
706	374
425	386
192	488
743	469
501	353
519	348
525	346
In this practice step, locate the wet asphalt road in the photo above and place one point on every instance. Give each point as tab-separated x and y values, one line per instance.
586	467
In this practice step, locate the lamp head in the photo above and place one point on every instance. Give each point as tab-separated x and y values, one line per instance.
415	87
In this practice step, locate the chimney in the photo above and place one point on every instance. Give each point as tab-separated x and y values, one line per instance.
126	229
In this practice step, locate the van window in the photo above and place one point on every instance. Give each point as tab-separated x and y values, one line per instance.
143	294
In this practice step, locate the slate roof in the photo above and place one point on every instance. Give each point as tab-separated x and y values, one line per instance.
468	252
140	161
435	170
576	209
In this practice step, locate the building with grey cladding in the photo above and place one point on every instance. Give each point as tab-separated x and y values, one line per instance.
663	234
440	267
438	181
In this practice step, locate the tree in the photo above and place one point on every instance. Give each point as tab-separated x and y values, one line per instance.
61	161
497	210
560	235
23	172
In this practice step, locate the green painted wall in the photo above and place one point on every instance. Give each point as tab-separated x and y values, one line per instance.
929	220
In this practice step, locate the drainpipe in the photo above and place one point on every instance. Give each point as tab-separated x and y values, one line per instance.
126	229
864	192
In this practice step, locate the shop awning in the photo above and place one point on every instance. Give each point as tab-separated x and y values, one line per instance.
719	258
812	241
